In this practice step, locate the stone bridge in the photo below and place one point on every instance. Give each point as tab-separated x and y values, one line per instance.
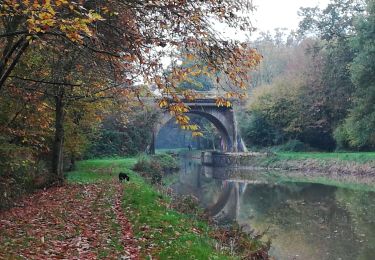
223	118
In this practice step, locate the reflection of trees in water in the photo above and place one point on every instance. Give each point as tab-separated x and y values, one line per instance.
305	217
313	221
361	206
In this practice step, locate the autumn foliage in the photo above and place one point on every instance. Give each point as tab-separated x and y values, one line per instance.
65	64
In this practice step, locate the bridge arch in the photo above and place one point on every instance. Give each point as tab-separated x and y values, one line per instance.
223	132
222	118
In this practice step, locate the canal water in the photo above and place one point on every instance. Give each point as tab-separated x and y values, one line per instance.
303	220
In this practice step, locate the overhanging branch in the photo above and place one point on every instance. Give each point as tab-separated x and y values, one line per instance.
47	82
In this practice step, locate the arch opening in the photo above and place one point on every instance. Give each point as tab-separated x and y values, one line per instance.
216	136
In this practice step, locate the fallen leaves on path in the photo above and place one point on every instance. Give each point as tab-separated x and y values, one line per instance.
69	222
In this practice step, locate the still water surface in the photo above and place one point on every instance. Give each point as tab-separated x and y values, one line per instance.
304	220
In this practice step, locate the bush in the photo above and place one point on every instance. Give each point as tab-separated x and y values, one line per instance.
188	204
149	169
342	138
154	167
292	146
242	241
356	133
166	161
20	173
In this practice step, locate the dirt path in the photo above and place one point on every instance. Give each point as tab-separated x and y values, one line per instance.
70	222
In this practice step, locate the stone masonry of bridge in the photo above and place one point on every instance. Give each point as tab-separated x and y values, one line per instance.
223	118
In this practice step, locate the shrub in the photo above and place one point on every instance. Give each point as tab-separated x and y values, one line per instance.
154	167
149	169
142	164
293	146
20	173
356	133
342	138
188	204
166	161
242	242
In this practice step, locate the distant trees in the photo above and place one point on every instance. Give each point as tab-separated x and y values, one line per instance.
119	136
317	87
277	56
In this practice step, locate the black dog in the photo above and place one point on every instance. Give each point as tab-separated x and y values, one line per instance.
123	176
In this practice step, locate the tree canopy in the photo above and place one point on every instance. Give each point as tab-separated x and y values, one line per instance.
66	63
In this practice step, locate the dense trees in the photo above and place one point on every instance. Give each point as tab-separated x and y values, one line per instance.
316	87
357	130
121	136
65	65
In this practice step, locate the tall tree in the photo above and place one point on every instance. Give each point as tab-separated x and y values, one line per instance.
358	129
333	22
331	87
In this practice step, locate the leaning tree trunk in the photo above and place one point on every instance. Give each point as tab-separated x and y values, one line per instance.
58	143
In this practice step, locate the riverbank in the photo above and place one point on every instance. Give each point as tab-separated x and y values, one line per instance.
349	167
158	230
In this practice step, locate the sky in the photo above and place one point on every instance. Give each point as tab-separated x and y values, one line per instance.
272	14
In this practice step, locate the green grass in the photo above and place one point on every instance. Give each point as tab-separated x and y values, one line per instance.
91	171
278	177
320	162
171	234
161	231
344	156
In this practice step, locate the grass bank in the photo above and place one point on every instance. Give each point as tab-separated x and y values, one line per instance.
159	230
358	157
289	177
351	167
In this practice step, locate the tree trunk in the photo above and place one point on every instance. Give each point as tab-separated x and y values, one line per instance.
20	47
58	143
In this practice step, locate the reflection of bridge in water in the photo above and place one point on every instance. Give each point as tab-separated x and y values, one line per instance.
226	207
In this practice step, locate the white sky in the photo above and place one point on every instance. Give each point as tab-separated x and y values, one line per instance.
272	14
